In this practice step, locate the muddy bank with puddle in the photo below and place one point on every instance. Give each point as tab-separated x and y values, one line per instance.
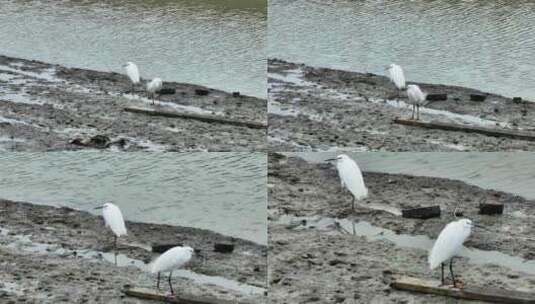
51	107
53	255
318	109
322	251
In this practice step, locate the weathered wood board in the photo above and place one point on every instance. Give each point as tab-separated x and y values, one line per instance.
200	117
514	134
467	293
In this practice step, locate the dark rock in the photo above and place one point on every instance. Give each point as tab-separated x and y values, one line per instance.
517	99
167	91
223	248
421	213
161	248
478	97
436	97
236	94
201	92
99	141
490	209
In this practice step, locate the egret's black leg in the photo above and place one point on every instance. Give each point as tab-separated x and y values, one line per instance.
158	282
417	112
171	286
115	250
413	110
353	202
451	271
442	264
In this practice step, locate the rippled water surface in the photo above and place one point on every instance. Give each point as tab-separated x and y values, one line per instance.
223	192
509	172
486	45
217	43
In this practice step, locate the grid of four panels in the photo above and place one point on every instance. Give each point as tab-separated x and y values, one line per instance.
252	151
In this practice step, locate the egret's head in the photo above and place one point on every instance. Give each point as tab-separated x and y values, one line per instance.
103	206
388	67
338	158
466	223
128	64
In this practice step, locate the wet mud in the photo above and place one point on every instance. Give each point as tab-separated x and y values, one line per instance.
62	255
323	252
320	109
47	107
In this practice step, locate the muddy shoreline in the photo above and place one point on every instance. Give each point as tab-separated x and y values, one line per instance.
52	255
316	255
48	107
319	109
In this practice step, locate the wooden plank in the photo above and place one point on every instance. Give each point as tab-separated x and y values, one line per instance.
467	293
490	209
468	129
200	117
155	295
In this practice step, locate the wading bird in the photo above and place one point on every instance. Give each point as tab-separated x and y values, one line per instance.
350	177
416	99
448	244
113	218
132	72
395	73
154	86
173	258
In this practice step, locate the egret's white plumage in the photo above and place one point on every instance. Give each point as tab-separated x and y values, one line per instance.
154	86
173	258
416	98
351	177
449	242
132	72
114	219
396	75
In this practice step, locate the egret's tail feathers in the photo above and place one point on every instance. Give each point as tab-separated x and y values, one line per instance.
152	267
433	263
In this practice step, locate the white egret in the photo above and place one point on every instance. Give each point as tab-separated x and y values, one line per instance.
350	177
173	258
416	98
154	86
448	244
132	72
113	218
395	73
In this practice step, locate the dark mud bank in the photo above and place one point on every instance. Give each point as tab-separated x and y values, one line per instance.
53	255
343	256
51	107
317	109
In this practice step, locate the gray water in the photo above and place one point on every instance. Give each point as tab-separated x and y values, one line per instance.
509	172
486	45
216	43
222	192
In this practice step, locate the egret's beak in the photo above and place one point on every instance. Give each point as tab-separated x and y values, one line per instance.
330	159
99	207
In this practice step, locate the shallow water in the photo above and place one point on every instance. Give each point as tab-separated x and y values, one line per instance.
23	243
486	45
374	233
222	192
216	43
509	172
